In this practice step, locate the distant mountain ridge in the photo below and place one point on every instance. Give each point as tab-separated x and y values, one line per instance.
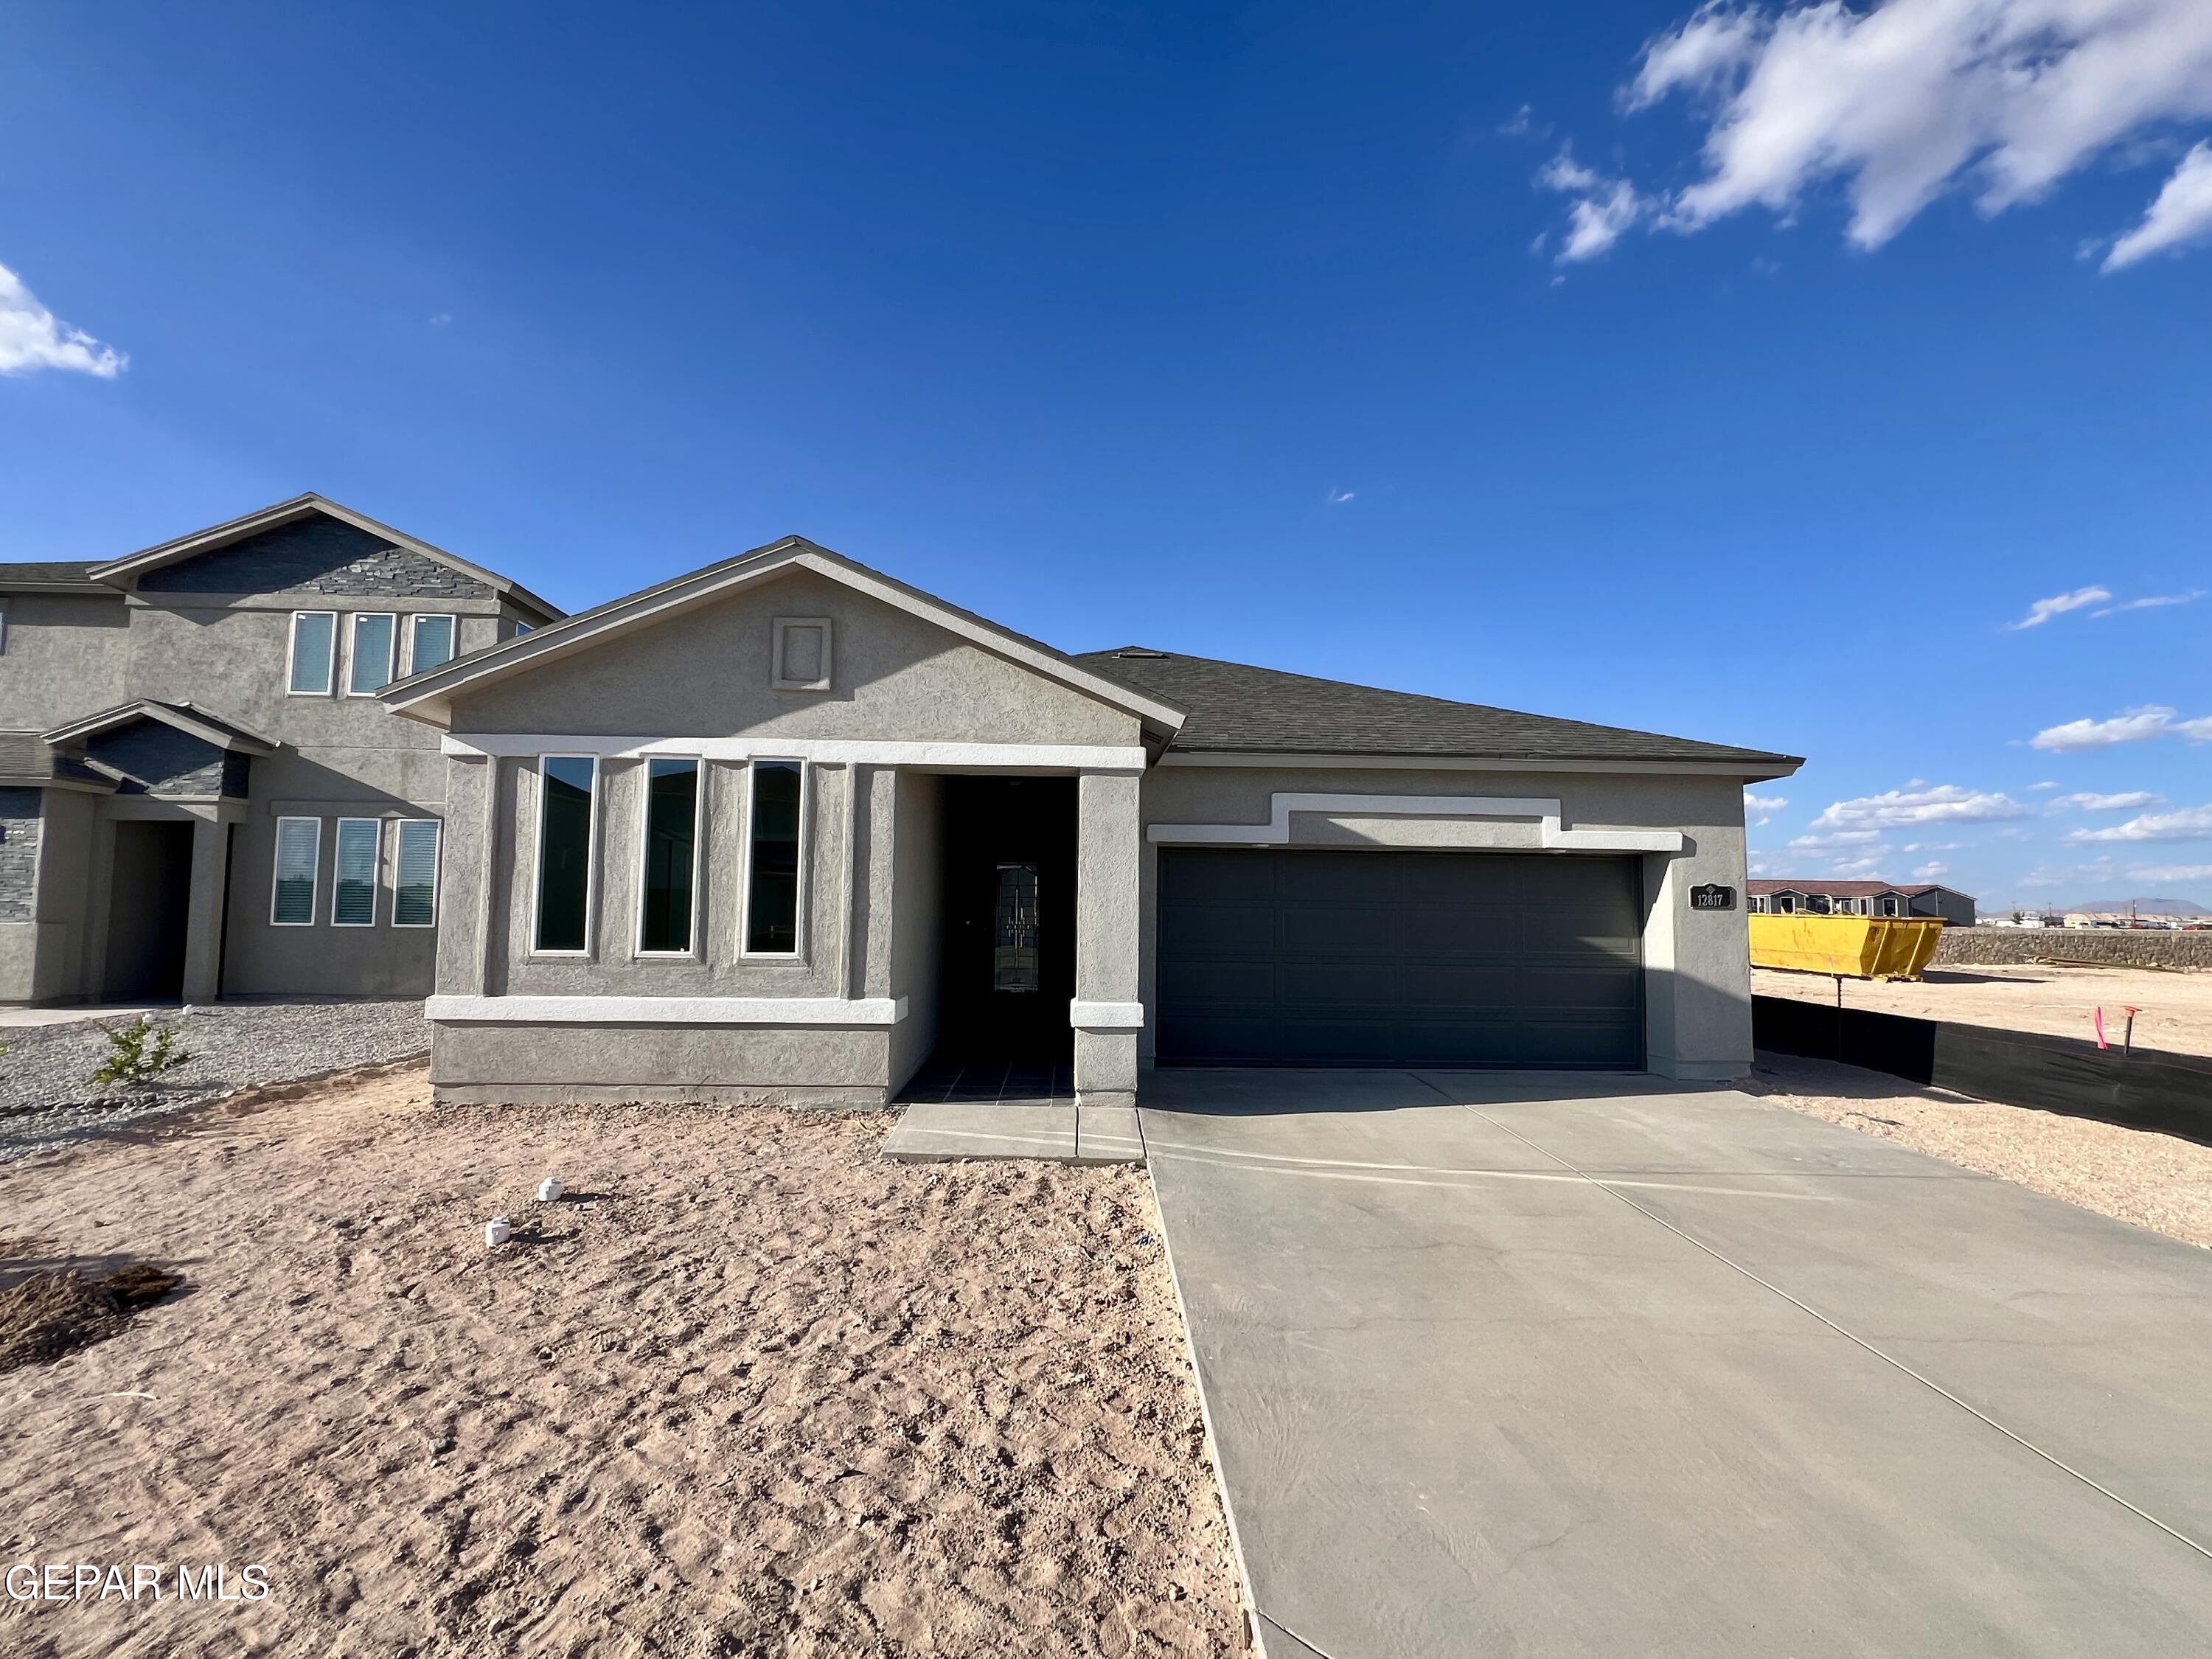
2148	906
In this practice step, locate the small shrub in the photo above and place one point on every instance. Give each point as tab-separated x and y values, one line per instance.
139	1052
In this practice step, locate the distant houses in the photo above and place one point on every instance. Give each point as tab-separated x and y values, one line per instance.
1859	898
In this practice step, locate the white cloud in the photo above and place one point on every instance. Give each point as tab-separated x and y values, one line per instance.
1932	872
2183	823
31	338
1765	806
1900	101
2128	801
2162	872
2181	214
1601	213
2048	783
2151	602
2129	726
1836	840
1937	845
1338	497
1863	869
2044	609
1918	802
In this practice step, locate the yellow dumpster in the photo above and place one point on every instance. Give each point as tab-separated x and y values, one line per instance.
1858	947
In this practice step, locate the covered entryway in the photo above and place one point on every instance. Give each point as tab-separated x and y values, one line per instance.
1310	956
148	913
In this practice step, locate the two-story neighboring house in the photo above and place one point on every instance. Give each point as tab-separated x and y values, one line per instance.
200	794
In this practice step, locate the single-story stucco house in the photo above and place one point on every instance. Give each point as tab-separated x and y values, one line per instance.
784	827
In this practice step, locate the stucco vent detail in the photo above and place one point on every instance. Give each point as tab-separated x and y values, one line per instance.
802	653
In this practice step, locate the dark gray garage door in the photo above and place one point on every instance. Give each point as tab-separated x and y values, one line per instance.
1319	958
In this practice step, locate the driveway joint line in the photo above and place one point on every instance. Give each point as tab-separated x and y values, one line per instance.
2018	1439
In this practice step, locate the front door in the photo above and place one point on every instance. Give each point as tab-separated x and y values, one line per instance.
1009	968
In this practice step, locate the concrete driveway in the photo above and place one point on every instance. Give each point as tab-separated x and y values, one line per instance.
1546	1364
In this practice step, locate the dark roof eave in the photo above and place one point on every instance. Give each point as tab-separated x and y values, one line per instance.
1530	756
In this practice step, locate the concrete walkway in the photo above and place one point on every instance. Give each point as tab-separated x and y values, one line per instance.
943	1132
1547	1365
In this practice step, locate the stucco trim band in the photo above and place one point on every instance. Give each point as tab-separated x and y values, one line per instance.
1331	762
666	1011
826	751
1106	1016
1276	832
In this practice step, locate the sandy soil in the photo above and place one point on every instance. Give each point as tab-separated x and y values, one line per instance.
748	1391
2154	1181
2174	1010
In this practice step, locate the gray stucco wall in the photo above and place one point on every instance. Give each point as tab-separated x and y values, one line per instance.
1697	968
708	673
315	556
64	656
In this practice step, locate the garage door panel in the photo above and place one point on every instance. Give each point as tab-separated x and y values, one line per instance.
1398	958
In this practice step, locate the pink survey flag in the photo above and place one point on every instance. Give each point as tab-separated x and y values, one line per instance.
2099	1022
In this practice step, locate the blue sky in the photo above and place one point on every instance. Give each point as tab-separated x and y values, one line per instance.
1743	374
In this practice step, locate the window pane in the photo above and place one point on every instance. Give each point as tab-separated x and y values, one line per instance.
353	898
671	818
433	643
371	652
313	633
1014	930
414	876
564	852
772	893
298	841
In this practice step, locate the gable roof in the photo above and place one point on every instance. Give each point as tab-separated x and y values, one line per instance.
48	575
126	571
28	761
201	723
1235	707
427	695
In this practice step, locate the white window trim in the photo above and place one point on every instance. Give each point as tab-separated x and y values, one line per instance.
437	869
783	682
414	617
798	929
353	651
590	865
691	952
276	872
292	657
375	870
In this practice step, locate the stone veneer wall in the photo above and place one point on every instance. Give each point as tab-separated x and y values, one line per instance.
317	556
2120	947
19	855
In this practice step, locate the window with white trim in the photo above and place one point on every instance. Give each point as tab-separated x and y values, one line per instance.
430	641
314	653
773	856
292	889
567	833
415	873
368	669
353	873
672	858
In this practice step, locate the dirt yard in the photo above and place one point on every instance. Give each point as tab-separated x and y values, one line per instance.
747	1390
2174	1010
2154	1181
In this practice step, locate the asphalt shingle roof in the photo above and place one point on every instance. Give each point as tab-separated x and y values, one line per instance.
1237	707
1837	889
73	572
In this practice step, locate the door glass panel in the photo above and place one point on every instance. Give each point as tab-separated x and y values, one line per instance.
1014	929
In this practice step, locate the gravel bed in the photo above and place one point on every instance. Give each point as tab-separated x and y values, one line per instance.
47	1098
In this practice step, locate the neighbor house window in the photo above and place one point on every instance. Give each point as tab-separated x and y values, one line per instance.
314	651
671	841
374	633
772	859
299	847
353	879
566	831
415	874
430	643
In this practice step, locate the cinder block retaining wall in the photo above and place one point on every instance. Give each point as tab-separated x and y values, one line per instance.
2125	948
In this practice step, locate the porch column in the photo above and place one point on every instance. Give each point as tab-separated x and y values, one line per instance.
1106	1013
204	911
